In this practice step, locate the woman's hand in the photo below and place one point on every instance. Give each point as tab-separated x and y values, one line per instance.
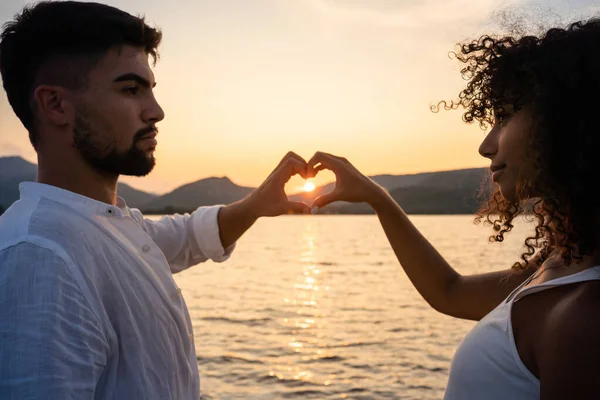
351	185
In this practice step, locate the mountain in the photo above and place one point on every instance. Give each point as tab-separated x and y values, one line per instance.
134	197
420	200
461	178
204	192
445	192
387	181
14	170
426	200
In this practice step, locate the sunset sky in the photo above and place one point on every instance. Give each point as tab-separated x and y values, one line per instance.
242	82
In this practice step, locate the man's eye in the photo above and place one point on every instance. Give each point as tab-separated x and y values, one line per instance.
132	90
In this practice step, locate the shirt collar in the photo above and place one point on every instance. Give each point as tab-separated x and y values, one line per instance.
36	190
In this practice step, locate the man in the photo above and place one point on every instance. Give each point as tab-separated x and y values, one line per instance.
88	305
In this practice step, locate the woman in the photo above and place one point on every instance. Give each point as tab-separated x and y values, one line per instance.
539	321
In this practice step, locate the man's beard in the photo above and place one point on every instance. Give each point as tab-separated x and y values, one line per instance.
130	162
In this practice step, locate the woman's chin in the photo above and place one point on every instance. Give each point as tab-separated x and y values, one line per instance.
508	192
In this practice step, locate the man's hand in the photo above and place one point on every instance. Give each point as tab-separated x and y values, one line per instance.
269	199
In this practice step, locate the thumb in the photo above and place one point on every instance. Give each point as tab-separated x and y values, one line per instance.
325	199
297	208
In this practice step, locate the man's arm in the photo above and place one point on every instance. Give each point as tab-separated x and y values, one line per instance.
234	220
188	239
52	346
211	232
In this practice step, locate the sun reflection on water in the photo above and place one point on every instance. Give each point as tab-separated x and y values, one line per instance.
306	318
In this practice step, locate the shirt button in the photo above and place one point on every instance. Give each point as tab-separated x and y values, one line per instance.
145	248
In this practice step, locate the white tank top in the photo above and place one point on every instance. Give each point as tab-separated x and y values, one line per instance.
486	364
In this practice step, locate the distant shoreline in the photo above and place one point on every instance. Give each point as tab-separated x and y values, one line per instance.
160	213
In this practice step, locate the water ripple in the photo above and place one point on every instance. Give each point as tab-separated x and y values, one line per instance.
322	359
351	344
247	322
227	359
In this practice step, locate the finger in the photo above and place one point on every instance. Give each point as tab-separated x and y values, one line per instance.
319	168
292	155
307	173
297	208
290	168
329	161
311	172
325	199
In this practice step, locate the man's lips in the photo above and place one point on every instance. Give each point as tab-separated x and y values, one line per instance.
149	136
149	139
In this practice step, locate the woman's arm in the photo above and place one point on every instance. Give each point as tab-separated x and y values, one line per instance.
469	297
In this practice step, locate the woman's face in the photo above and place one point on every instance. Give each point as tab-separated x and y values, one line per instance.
505	145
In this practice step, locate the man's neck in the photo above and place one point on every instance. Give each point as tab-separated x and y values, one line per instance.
78	177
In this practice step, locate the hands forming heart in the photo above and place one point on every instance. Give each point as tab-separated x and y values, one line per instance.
270	199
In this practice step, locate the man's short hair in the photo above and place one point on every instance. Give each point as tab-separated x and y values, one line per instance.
58	43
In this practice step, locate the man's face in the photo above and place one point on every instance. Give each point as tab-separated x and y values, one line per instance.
114	126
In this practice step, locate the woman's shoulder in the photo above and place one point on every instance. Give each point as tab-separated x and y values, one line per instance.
567	350
572	322
578	304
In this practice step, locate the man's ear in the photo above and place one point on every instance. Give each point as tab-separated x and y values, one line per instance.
54	105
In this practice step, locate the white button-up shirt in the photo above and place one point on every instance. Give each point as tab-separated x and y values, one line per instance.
88	305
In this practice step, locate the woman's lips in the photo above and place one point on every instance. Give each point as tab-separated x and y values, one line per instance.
496	174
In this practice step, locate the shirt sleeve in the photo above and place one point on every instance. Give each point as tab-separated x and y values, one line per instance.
187	239
52	345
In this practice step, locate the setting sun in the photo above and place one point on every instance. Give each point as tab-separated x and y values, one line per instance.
309	186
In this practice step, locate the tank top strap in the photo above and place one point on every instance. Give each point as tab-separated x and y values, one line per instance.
589	274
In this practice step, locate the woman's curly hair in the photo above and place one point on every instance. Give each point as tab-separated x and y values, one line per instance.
557	77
